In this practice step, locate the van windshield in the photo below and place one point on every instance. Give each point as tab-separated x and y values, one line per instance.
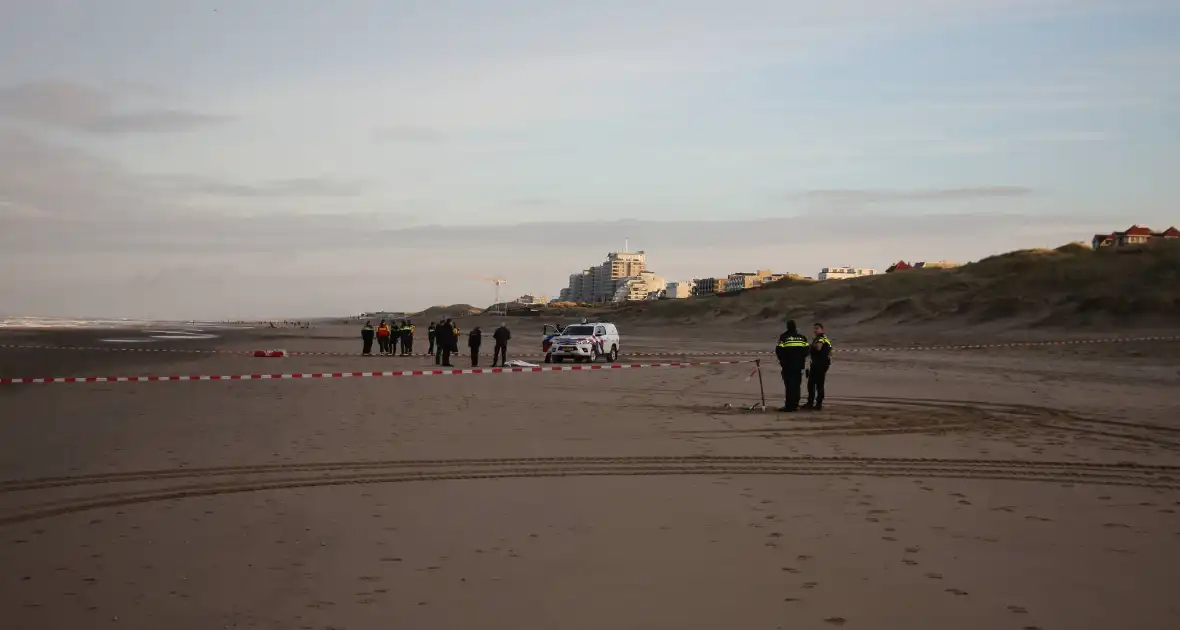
579	330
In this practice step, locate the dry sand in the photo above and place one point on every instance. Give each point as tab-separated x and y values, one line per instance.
1019	488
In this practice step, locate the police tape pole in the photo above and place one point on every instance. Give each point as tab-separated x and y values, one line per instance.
761	388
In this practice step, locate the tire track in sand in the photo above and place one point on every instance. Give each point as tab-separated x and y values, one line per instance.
292	476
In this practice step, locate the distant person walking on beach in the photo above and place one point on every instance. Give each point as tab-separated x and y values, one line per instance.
500	352
430	338
821	360
383	337
792	351
474	341
367	339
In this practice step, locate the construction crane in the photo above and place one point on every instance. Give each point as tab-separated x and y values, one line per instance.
497	282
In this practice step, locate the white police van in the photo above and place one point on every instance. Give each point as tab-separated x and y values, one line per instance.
588	341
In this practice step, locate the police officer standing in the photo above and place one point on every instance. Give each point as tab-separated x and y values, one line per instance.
500	352
821	360
474	341
367	333
792	353
408	340
430	338
444	342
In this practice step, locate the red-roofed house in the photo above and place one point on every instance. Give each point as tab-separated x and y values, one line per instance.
1134	235
900	265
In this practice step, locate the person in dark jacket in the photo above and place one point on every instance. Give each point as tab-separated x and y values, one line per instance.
474	341
367	333
792	353
444	343
500	352
821	360
430	338
410	330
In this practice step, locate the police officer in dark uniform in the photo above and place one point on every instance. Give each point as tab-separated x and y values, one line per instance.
430	338
367	338
792	358
500	351
821	360
445	341
408	340
474	341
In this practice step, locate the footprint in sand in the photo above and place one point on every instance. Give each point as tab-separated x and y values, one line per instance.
1020	610
955	591
934	576
810	585
909	562
790	569
802	557
836	621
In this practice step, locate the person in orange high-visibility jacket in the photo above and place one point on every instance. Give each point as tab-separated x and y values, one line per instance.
383	339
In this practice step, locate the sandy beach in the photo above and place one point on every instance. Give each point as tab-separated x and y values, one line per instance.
1028	488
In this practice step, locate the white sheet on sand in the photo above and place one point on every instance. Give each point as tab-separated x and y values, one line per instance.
518	363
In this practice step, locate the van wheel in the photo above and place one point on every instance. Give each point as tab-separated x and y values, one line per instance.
613	356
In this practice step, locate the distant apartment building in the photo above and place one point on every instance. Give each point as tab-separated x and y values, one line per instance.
843	273
745	280
644	286
678	290
529	300
600	283
1133	236
708	286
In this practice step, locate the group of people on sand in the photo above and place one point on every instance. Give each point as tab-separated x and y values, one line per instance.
443	337
444	341
389	336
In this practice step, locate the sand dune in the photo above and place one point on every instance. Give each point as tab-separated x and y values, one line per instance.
1069	288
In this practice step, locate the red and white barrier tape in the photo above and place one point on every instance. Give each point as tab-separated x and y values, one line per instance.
325	375
739	353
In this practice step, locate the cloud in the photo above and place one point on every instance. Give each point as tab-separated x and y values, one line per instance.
861	196
306	187
80	194
91	110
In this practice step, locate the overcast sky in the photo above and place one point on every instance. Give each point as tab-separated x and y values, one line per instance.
269	158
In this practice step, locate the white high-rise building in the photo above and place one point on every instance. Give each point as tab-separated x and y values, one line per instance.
600	283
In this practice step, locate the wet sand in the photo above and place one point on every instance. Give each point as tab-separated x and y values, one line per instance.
1005	488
